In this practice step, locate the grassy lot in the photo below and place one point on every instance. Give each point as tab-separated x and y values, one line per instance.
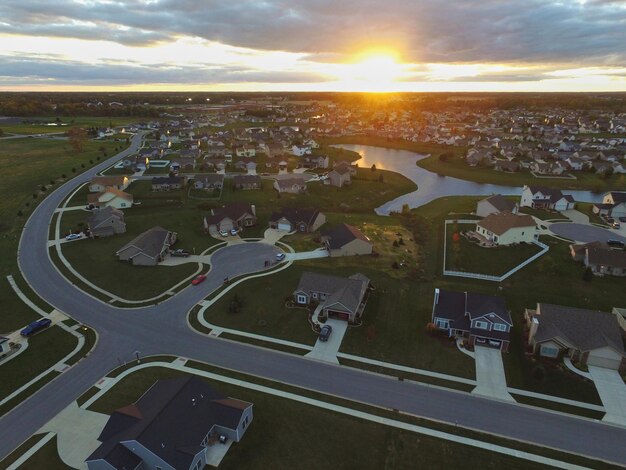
543	214
44	350
80	121
372	445
14	314
464	255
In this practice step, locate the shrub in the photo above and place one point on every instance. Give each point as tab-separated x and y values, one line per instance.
19	213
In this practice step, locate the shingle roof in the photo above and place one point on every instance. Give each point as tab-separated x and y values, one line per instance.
618	196
500	202
581	328
553	195
462	307
108	180
99	216
501	222
598	254
176	416
295	215
342	235
149	242
348	292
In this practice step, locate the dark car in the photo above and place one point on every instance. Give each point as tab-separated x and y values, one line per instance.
615	243
180	253
325	332
35	326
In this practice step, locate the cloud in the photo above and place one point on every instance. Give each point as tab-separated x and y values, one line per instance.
424	30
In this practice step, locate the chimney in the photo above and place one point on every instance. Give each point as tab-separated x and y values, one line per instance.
253	207
534	324
436	296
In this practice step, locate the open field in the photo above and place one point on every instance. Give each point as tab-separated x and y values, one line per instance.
79	121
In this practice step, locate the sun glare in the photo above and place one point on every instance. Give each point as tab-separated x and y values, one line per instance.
372	72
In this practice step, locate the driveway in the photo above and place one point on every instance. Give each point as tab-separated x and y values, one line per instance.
327	351
585	233
490	374
271	236
576	216
612	391
77	433
313	254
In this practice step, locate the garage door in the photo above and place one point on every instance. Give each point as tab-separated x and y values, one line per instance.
339	315
284	227
603	362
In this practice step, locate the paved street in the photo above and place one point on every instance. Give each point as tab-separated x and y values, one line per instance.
163	329
584	233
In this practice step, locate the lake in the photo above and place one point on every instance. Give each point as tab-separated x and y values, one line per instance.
430	185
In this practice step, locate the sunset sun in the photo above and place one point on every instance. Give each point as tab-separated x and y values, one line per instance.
378	71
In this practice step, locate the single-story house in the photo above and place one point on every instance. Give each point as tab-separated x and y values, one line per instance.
183	164
346	240
506	166
110	197
236	215
495	204
106	222
600	258
613	205
587	336
247	182
149	248
167	183
504	228
339	176
209	182
342	298
173	425
481	318
295	185
99	183
291	219
540	197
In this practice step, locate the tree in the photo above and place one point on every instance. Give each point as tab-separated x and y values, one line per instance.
373	167
587	274
77	137
20	213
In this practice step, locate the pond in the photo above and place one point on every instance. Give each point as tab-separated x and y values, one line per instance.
431	186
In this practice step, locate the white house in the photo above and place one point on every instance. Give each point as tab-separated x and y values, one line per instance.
111	197
505	228
300	150
540	197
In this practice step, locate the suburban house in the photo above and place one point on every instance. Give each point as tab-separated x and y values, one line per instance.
183	164
245	151
586	336
236	215
540	197
302	220
600	258
483	319
613	205
338	297
300	150
247	182
167	183
149	248
346	240
506	166
106	222
505	228
176	424
5	346
339	176
100	183
209	182
315	161
295	185
496	204
110	197
620	314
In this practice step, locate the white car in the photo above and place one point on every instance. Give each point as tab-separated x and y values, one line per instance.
72	236
233	232
223	233
280	256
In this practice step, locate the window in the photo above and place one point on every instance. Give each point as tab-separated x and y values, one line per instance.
481	325
315	295
301	299
499	327
443	324
549	351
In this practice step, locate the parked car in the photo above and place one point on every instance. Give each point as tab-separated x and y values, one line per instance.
198	279
616	224
72	236
280	256
233	231
325	333
180	253
610	220
35	326
616	244
223	233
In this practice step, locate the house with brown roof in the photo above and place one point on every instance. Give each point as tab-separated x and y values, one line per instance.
291	219
505	228
99	183
149	248
209	182
587	336
236	215
600	258
496	204
346	240
110	197
106	222
481	318
293	185
247	182
176	424
338	297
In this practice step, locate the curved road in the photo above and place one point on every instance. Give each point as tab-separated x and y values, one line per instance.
162	329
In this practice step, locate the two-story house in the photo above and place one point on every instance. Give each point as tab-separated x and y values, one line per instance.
540	197
483	319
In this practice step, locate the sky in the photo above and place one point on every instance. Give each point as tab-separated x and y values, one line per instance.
313	45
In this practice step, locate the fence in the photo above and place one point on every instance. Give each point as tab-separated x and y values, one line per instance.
486	277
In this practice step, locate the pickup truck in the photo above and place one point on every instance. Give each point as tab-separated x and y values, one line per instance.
35	326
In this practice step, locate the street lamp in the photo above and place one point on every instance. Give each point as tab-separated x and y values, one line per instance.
137	356
87	340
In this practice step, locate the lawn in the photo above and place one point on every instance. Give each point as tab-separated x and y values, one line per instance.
14	314
587	209
543	214
467	256
300	441
81	121
44	350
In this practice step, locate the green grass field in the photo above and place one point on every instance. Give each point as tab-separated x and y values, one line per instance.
80	121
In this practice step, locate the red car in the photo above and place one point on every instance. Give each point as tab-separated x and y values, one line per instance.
198	279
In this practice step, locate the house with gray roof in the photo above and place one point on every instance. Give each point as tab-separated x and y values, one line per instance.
587	336
600	258
176	425
540	197
247	182
481	318
149	248
106	222
209	181
338	297
495	204
292	219
346	240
